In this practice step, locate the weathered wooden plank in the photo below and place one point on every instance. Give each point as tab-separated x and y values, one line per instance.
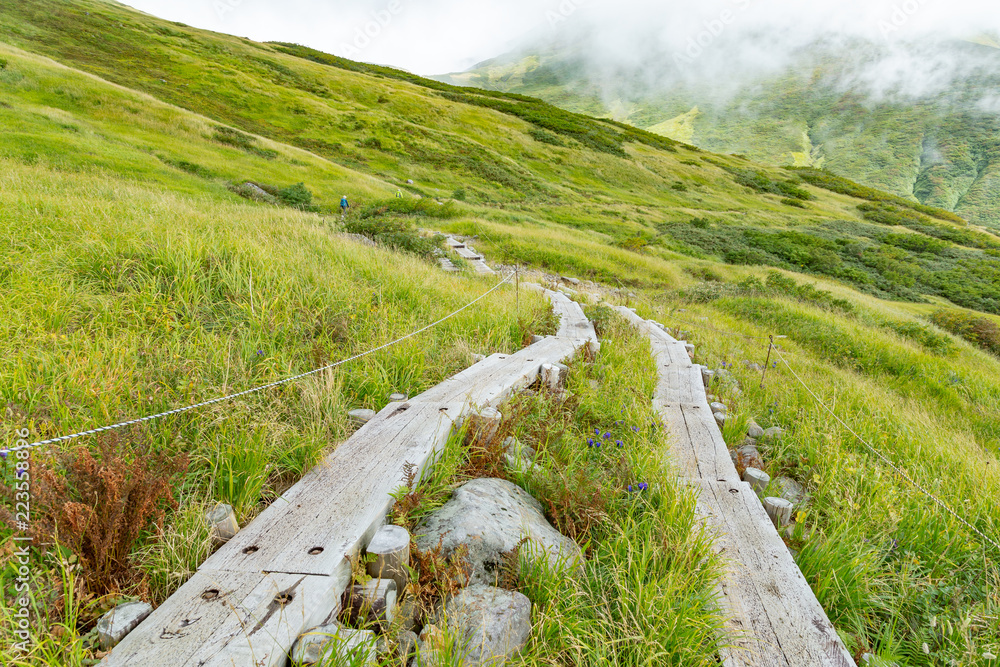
337	506
572	321
774	619
229	618
468	253
491	381
697	445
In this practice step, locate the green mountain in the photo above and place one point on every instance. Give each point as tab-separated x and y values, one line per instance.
932	137
170	234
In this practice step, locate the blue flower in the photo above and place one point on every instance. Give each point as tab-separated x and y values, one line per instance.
607	435
635	428
774	364
21	472
3	453
590	442
598	444
619	443
260	353
630	488
643	486
597	431
619	422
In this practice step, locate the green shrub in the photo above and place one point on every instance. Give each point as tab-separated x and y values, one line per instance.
976	329
793	202
834	183
761	182
545	137
296	196
425	206
396	233
244	142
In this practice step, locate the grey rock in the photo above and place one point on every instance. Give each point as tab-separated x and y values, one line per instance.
720	419
754	430
774	433
513	446
406	645
409	181
536	339
408	615
571	281
333	641
489	517
491	623
361	416
476	358
114	625
790	490
719	407
397	398
750	455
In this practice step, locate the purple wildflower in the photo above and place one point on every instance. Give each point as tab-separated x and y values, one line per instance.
590	442
607	435
635	428
643	486
619	443
597	431
3	453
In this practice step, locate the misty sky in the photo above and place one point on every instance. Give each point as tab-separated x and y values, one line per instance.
438	36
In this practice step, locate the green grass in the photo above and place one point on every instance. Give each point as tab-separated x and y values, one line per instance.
643	595
134	278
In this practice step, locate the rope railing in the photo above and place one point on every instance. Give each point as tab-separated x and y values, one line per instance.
260	388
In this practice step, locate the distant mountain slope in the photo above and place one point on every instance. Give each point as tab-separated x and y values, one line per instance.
627	203
940	148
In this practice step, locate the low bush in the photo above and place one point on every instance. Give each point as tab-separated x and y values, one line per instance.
424	206
981	331
98	502
242	141
396	233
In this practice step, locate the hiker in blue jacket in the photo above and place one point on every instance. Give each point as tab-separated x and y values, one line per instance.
343	207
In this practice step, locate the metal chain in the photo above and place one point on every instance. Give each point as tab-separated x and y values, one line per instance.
260	388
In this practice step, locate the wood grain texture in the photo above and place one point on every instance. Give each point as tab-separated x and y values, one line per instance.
774	617
229	618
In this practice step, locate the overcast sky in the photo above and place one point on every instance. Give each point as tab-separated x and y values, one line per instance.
438	36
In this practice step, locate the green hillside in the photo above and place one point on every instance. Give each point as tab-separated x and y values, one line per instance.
170	233
942	149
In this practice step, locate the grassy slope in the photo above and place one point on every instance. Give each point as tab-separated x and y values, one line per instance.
943	151
126	290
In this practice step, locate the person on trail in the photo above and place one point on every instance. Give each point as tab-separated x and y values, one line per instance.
343	207
399	194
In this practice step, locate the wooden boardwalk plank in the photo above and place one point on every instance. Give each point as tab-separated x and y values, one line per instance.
772	616
572	322
697	446
338	505
775	618
229	618
301	544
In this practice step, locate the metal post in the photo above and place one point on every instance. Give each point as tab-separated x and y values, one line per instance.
767	362
517	282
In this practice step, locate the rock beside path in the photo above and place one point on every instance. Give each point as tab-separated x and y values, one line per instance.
489	517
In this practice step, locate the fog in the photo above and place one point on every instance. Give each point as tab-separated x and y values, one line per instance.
902	47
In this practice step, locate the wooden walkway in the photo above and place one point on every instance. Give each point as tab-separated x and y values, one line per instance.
467	253
284	573
773	619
